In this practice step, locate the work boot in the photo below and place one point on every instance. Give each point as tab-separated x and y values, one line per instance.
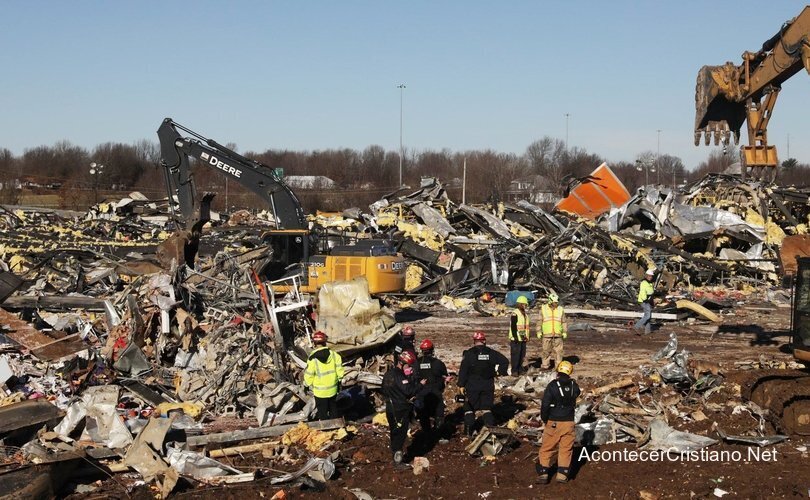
542	474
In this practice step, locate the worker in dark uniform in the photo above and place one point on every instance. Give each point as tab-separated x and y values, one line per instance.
404	341
401	388
557	413
476	378
434	371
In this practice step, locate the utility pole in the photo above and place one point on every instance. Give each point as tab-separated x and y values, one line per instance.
464	183
401	88
657	160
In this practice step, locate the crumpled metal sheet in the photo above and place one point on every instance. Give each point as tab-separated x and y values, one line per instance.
595	194
196	465
665	438
598	433
490	222
324	466
434	219
687	220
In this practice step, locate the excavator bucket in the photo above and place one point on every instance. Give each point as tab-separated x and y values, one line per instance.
717	114
181	247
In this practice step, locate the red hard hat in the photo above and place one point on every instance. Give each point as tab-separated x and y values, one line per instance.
319	336
407	357
408	331
479	336
426	345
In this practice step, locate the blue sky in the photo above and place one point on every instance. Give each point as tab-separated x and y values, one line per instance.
316	75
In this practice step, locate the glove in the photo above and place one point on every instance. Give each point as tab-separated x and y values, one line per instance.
564	335
462	390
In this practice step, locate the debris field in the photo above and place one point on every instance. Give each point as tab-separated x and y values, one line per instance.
126	375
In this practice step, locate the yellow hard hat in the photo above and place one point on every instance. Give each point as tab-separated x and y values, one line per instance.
565	367
522	300
553	298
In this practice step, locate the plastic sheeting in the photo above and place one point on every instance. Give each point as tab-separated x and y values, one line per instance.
350	317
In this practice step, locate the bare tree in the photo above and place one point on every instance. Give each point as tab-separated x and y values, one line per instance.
540	153
719	160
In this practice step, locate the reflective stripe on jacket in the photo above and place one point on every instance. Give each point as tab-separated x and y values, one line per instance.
324	378
522	326
645	291
552	325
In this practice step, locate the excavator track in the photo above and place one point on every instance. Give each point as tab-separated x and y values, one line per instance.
786	396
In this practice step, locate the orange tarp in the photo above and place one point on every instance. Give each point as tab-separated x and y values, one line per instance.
595	195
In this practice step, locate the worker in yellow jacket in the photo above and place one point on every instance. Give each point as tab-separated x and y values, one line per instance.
553	329
646	297
323	375
519	331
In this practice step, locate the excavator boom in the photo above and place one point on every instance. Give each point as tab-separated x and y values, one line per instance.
730	95
175	150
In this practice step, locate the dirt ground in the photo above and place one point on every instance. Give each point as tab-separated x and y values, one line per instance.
605	352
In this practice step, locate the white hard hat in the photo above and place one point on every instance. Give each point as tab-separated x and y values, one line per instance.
650	271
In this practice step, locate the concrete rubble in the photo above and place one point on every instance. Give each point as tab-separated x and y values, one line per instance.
129	363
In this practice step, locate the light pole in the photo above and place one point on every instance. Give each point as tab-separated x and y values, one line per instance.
657	157
401	88
95	170
464	183
566	132
645	165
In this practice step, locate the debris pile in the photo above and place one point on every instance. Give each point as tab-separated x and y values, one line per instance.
118	355
674	390
718	231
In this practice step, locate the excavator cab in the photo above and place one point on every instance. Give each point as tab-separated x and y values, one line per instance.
288	246
800	320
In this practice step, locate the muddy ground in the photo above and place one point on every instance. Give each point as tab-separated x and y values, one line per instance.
756	333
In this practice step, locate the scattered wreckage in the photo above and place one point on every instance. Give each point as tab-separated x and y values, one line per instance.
98	338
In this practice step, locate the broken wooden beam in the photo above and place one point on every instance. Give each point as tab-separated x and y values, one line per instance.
698	309
54	302
625	382
42	346
238	450
26	414
612	313
260	433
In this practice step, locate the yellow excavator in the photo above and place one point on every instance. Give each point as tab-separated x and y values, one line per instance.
295	251
732	94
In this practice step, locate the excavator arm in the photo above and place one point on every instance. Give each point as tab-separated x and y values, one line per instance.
729	95
175	150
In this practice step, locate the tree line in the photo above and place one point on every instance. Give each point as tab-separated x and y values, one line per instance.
362	176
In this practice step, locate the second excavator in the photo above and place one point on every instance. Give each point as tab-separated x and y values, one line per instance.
732	94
